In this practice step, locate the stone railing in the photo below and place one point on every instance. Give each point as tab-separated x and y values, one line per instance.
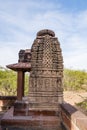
73	119
6	102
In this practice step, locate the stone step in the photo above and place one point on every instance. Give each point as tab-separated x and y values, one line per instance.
32	122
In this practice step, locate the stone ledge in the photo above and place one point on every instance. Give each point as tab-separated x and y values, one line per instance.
8	97
82	123
72	118
32	122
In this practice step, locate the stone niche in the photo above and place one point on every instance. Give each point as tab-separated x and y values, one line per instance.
45	82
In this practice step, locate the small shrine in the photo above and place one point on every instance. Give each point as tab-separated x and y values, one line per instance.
40	110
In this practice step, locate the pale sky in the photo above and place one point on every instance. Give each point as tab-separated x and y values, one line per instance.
20	20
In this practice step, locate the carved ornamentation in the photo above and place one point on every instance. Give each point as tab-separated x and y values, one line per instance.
47	69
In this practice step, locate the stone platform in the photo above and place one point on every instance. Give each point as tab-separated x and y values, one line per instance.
37	120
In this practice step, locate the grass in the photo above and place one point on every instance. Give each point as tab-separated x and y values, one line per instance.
83	106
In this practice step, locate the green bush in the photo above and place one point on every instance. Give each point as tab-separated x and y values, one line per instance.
75	80
8	82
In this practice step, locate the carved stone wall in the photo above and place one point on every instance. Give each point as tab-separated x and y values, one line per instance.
45	83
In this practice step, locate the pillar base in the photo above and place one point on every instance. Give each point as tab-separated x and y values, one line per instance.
21	108
31	122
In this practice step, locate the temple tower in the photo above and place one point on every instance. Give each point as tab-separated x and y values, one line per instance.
45	83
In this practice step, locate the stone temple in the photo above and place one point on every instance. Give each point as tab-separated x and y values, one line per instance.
43	108
40	110
45	82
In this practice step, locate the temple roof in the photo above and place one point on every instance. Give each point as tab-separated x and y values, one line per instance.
23	66
45	32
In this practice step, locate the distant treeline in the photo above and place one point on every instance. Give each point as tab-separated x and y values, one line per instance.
8	82
74	80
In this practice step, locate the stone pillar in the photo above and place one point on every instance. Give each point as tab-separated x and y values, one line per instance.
20	85
20	106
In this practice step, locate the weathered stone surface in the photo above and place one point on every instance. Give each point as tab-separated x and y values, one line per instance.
73	119
24	55
45	85
23	66
46	32
32	122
